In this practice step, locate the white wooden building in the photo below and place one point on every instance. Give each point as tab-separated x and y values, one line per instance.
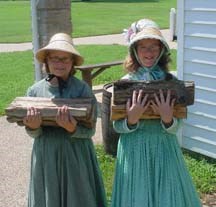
196	36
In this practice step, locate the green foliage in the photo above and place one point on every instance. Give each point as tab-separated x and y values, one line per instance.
107	166
16	75
112	17
203	171
88	18
15	21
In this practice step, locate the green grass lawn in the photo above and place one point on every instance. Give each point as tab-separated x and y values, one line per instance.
88	18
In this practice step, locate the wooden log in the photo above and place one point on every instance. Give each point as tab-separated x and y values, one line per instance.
182	91
119	112
80	108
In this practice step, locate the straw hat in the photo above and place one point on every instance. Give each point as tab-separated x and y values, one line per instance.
145	29
60	42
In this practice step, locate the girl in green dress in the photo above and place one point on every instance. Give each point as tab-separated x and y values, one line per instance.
150	168
64	167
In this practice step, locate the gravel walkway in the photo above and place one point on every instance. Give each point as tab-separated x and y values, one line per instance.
15	153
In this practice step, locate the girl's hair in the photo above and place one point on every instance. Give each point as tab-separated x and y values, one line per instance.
131	64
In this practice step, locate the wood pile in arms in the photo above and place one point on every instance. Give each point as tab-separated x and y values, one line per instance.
182	91
80	108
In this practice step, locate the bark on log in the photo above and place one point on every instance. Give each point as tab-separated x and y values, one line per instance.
80	108
182	91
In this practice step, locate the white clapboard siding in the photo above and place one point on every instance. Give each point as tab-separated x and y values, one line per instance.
196	22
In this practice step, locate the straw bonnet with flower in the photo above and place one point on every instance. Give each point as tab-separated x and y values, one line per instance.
146	29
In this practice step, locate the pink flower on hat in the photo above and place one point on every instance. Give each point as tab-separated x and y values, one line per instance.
137	27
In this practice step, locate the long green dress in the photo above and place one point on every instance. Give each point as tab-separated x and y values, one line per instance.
64	167
150	168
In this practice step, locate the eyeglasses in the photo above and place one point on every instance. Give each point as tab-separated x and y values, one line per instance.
153	48
55	59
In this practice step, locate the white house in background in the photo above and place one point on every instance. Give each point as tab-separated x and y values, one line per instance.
196	34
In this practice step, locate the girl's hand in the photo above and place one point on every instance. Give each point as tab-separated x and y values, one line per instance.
164	107
33	118
137	107
64	120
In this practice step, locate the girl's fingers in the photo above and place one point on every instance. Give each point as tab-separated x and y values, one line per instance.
146	106
153	106
173	102
58	112
31	114
134	97
128	104
59	115
168	96
156	99
139	97
28	113
33	118
144	100
162	99
62	114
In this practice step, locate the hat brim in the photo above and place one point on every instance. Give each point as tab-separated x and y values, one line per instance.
59	46
150	33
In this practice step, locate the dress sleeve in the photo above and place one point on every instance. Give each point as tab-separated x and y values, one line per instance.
121	126
30	92
173	129
83	132
35	132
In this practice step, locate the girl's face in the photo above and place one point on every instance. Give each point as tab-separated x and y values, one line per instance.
148	50
60	63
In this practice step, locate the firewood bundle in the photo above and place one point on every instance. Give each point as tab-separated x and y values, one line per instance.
182	91
80	108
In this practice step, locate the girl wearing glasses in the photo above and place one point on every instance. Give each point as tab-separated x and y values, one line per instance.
64	167
150	169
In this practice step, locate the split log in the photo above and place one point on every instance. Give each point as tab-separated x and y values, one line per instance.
119	112
80	108
182	91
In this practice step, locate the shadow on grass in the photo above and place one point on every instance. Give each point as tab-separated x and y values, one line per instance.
199	157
